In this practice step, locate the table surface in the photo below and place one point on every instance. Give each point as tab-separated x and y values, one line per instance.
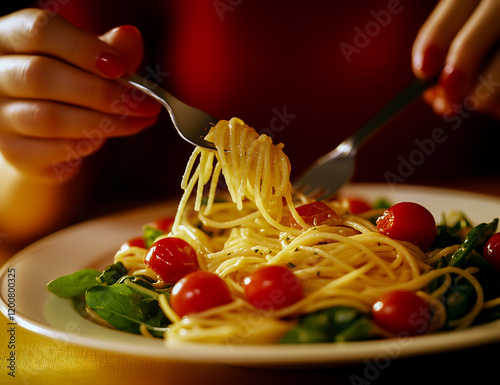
40	360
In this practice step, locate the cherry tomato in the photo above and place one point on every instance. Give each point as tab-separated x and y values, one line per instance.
198	291
492	251
171	258
356	205
410	222
272	287
156	228
134	242
163	224
402	312
315	214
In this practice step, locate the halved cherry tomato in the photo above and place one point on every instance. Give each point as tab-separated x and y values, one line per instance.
410	222
171	258
402	311
315	214
272	287
199	291
134	242
492	251
355	205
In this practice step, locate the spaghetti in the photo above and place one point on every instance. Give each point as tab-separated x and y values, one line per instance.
342	262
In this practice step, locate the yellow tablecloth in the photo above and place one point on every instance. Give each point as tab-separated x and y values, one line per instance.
44	361
40	360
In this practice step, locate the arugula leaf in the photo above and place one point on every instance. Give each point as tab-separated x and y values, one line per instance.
75	284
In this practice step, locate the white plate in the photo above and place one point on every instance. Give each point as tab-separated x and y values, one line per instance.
93	244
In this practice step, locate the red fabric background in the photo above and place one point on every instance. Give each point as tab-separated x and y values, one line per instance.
280	66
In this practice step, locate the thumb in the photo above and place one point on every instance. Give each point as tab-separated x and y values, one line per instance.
127	41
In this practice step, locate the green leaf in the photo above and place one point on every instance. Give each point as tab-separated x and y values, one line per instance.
118	304
333	320
112	274
150	233
450	235
338	323
476	237
359	330
75	284
382	203
304	334
458	299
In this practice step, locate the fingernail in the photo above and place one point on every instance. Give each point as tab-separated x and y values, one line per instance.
430	61
452	81
110	65
130	28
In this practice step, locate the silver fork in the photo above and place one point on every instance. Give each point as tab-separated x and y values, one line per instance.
330	172
191	123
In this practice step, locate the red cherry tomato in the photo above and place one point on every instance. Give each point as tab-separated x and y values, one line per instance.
272	287
198	291
314	214
171	258
492	251
410	222
356	205
163	224
134	242
402	312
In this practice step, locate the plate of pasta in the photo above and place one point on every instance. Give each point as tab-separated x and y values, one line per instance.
242	267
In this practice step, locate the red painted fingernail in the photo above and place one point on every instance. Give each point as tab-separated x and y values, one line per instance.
453	81
130	28
111	65
430	61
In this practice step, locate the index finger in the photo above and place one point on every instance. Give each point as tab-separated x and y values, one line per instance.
36	31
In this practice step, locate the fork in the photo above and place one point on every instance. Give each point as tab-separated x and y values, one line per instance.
331	171
191	123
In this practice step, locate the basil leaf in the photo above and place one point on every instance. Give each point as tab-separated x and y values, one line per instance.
381	203
121	306
150	233
112	273
75	284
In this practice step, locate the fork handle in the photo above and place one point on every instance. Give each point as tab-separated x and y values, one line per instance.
389	111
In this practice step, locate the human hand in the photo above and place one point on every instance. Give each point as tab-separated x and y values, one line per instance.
459	42
58	100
